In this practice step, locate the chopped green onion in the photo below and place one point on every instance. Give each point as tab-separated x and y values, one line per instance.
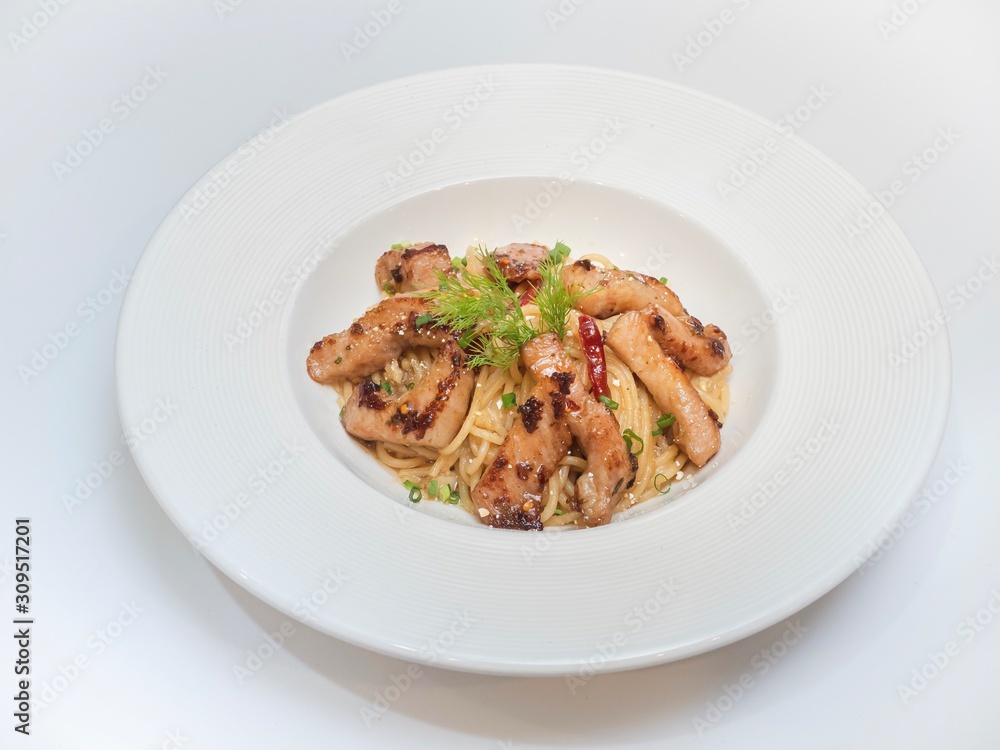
342	413
410	386
559	253
558	512
663	422
388	288
424	319
509	400
398	246
338	360
453	497
415	493
662	487
663	280
629	436
444	493
608	402
456	263
432	488
387	387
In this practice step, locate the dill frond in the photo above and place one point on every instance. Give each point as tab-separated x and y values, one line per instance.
486	310
554	300
488	313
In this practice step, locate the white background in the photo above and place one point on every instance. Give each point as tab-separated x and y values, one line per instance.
166	679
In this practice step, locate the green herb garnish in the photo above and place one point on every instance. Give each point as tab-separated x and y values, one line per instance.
387	387
488	313
486	309
608	402
509	400
631	437
554	300
559	253
663	422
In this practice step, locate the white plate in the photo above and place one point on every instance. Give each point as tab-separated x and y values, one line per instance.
830	431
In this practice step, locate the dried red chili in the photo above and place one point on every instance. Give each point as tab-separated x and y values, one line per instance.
593	349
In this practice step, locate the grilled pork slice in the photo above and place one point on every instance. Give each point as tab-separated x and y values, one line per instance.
509	495
412	268
380	335
610	466
696	430
519	262
700	348
430	414
616	291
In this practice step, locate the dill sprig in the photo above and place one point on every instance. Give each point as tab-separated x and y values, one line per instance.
486	309
554	300
489	313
